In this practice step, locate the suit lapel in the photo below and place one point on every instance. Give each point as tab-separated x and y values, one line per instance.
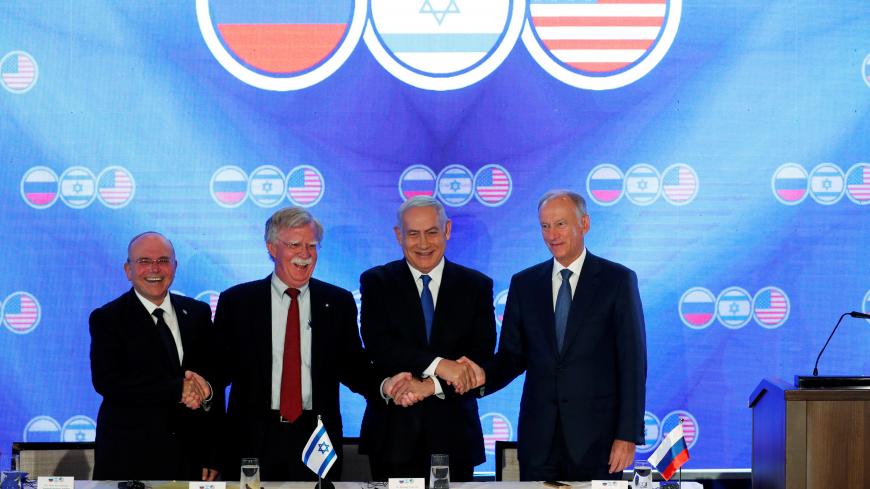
543	296
145	328
410	299
319	320
184	326
261	324
587	284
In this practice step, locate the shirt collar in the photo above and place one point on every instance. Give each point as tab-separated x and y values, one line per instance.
435	274
166	305
575	265
279	287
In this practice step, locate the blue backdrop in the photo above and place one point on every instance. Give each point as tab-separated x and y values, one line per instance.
723	149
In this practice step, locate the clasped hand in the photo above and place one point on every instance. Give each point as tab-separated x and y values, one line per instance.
194	390
462	374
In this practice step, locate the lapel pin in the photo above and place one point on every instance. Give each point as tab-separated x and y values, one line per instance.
326	305
184	311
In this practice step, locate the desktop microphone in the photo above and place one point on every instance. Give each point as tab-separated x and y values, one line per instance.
859	315
854	314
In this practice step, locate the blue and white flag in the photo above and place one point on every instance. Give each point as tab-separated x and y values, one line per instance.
319	454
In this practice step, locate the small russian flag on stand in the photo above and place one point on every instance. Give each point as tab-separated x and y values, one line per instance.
672	453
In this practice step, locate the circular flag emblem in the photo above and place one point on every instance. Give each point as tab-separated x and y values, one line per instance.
443	44
281	45
455	185
78	187
734	307
417	180
210	297
690	425
42	428
642	184
771	307
600	44
866	304
652	432
18	72
115	187
266	186
21	312
604	184
679	184
827	183
79	429
789	184
229	186
492	185
697	308
858	184
865	70
39	187
496	427
499	304
305	186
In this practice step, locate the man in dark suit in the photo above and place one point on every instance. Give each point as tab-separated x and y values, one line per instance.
418	314
288	340
575	325
146	347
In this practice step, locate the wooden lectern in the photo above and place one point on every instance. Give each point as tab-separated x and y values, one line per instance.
810	438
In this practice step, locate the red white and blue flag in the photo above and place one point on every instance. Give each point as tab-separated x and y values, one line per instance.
858	183
305	186
18	72
671	454
492	185
771	307
115	187
679	184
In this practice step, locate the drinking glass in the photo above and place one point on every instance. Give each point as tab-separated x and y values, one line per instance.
250	476
642	478
439	477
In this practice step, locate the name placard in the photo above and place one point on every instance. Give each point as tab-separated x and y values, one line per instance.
411	483
207	485
55	482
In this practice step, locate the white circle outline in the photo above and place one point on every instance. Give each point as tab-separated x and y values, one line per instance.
56	181
658	435
864	307
283	184
751	307
810	183
510	185
35	72
694	420
846	183
773	183
322	186
621	178
628	194
502	416
464	79
697	184
559	72
438	186
495	304
416	167
865	74
132	192
60	187
76	417
38	312
282	84
787	308
211	186
40	418
712	319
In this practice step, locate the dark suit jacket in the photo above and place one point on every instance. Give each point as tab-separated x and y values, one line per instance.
244	322
394	333
596	385
143	432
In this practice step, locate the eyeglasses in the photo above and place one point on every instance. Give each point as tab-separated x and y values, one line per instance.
297	246
148	262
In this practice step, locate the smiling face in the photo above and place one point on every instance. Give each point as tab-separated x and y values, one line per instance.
295	254
151	266
563	229
422	238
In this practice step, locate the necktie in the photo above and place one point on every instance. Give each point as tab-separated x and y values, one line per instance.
291	370
563	306
167	338
428	304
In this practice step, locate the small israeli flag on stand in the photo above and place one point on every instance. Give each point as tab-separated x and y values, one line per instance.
319	454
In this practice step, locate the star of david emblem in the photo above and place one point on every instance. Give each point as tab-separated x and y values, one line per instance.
267	186
80	436
439	14
322	447
642	185
455	186
77	188
827	184
733	308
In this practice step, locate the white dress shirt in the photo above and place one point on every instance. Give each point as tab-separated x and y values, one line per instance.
434	286
168	316
575	268
280	308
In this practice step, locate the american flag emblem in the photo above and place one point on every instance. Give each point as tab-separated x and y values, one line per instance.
734	307
827	184
78	187
496	427
771	307
229	186
210	297
79	429
642	184
266	186
697	308
455	185
18	71
790	183
417	180
21	312
42	429
39	187
679	184
115	187
690	425
858	184
305	186
599	37
492	185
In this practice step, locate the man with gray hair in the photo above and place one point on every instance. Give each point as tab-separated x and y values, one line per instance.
420	314
288	341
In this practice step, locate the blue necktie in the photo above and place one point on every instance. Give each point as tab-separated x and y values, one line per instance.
428	304
563	306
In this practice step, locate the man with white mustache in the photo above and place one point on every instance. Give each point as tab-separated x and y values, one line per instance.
288	340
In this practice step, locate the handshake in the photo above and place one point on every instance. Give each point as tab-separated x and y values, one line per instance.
194	390
462	374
